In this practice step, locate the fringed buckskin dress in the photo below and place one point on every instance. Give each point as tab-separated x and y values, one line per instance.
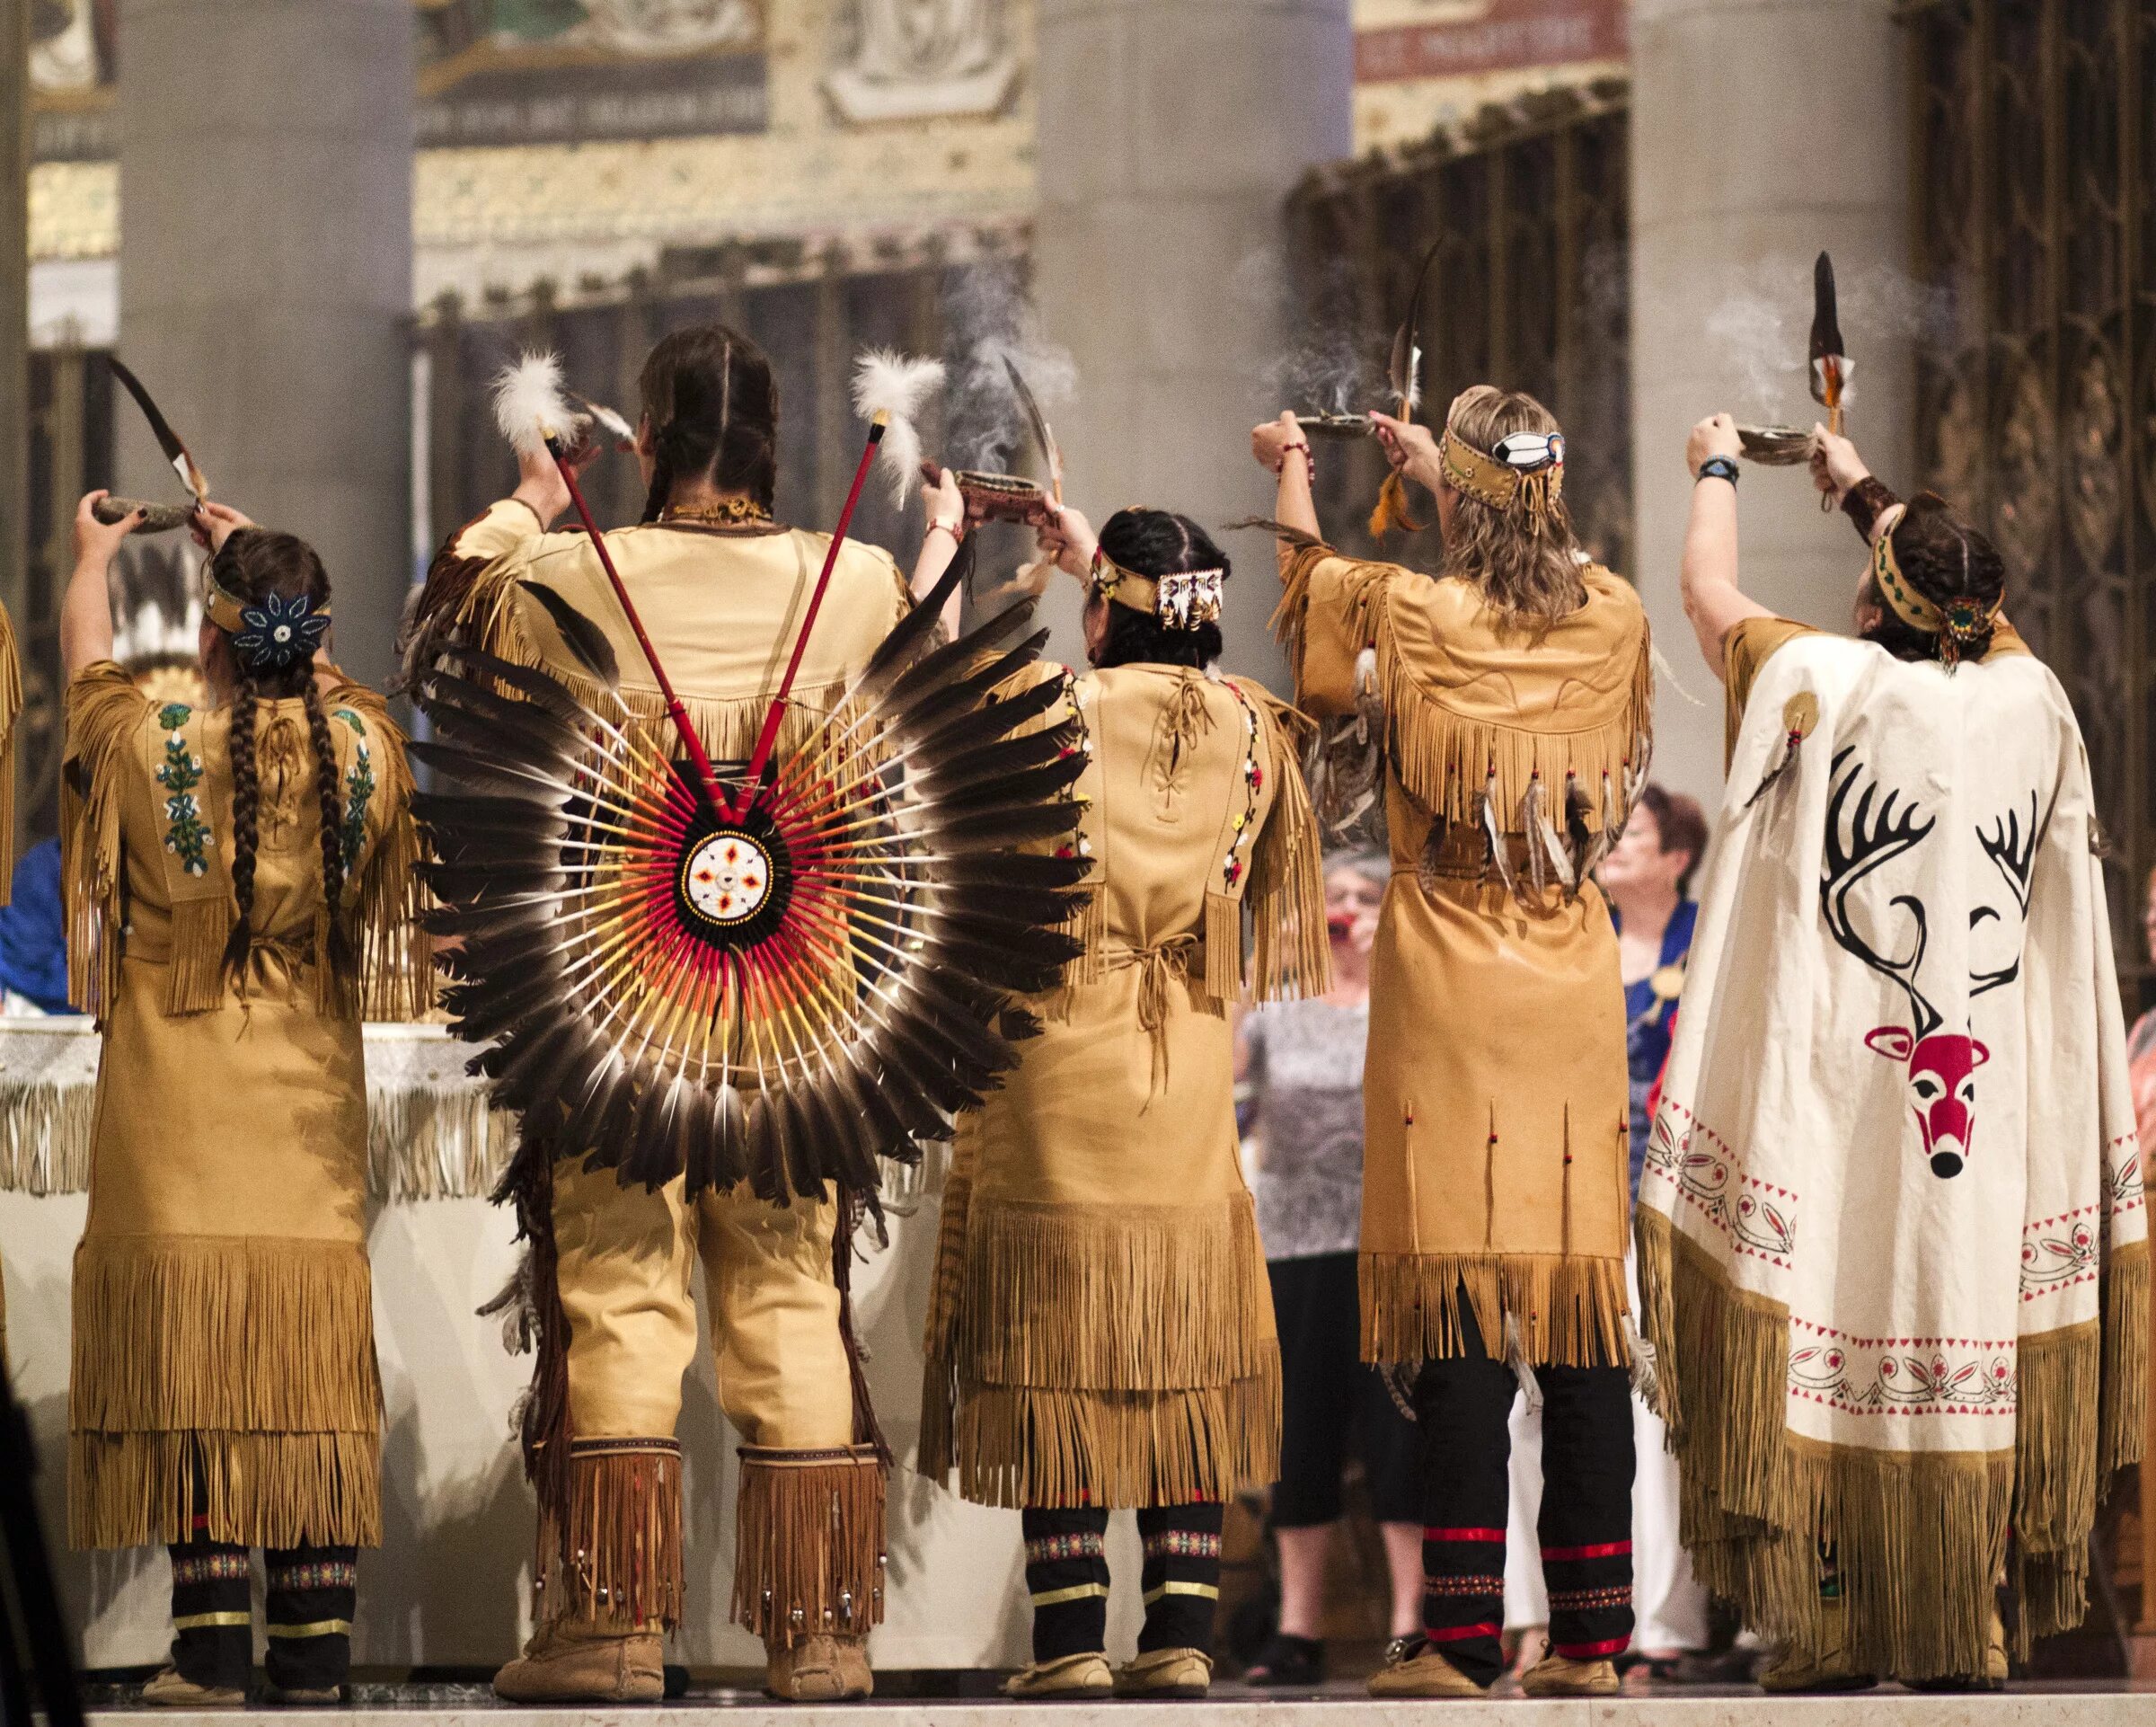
1497	1112
224	1386
1101	1332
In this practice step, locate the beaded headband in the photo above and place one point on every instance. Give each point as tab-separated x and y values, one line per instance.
278	632
1526	471
1180	600
1958	622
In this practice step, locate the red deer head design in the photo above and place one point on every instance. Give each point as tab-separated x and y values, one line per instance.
1941	1066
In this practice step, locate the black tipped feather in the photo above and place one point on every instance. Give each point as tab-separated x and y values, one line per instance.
548	861
586	639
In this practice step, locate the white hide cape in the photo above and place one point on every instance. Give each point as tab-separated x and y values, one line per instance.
1892	1245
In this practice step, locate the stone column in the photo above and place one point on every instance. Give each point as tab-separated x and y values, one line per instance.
265	275
1762	131
15	301
1171	131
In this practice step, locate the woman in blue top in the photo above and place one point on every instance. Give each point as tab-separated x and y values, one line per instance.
1646	878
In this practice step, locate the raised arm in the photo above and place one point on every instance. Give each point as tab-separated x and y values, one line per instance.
1280	447
1713	602
86	609
940	545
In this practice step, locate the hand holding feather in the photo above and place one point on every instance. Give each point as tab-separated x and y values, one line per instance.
1410	448
1068	543
540	486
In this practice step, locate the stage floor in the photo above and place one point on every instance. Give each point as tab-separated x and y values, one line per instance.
2030	1704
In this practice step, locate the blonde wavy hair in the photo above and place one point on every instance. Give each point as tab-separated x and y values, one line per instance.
1526	565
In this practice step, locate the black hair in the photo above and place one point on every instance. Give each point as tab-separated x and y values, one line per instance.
252	564
712	402
1944	560
1158	543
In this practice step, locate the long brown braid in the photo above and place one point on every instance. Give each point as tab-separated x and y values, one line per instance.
254	563
246	807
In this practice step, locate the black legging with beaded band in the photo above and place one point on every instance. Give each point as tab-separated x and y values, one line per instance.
312	1593
1463	1404
1066	1574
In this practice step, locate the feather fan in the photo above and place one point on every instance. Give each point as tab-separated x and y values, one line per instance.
778	993
885	381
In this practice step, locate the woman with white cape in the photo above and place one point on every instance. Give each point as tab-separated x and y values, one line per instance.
1892	1246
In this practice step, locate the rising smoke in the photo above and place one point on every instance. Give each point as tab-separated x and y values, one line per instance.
990	319
1760	327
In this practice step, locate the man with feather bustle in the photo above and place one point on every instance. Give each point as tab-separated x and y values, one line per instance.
721	588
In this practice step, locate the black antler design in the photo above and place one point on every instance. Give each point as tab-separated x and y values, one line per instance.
1876	836
2014	851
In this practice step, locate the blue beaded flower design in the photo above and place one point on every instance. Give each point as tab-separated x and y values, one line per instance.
279	632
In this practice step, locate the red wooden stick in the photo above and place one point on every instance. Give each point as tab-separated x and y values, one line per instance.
769	735
690	743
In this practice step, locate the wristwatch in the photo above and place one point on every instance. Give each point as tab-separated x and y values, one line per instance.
1717	467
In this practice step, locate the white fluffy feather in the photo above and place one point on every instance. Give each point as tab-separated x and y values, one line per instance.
528	403
888	381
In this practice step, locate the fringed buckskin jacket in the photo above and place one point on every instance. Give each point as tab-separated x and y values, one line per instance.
1101	1329
223	1339
1496	1113
726	603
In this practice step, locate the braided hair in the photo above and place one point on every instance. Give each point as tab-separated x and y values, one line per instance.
1944	560
256	565
1155	543
711	401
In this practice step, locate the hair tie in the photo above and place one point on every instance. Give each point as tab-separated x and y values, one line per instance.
279	632
1959	623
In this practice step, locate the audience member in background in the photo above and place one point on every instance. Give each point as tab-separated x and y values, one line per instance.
33	937
1647	880
1304	1062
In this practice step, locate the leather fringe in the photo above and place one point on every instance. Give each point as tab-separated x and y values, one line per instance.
610	1552
809	1548
194	979
1452	765
45	1136
1019	1446
939	1346
1920	1539
101	719
1570	1309
2123	1406
223	1334
263	1490
427	1145
1292	951
396	979
1110	1296
489	613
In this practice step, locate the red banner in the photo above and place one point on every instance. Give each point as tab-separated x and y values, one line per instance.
1510	33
